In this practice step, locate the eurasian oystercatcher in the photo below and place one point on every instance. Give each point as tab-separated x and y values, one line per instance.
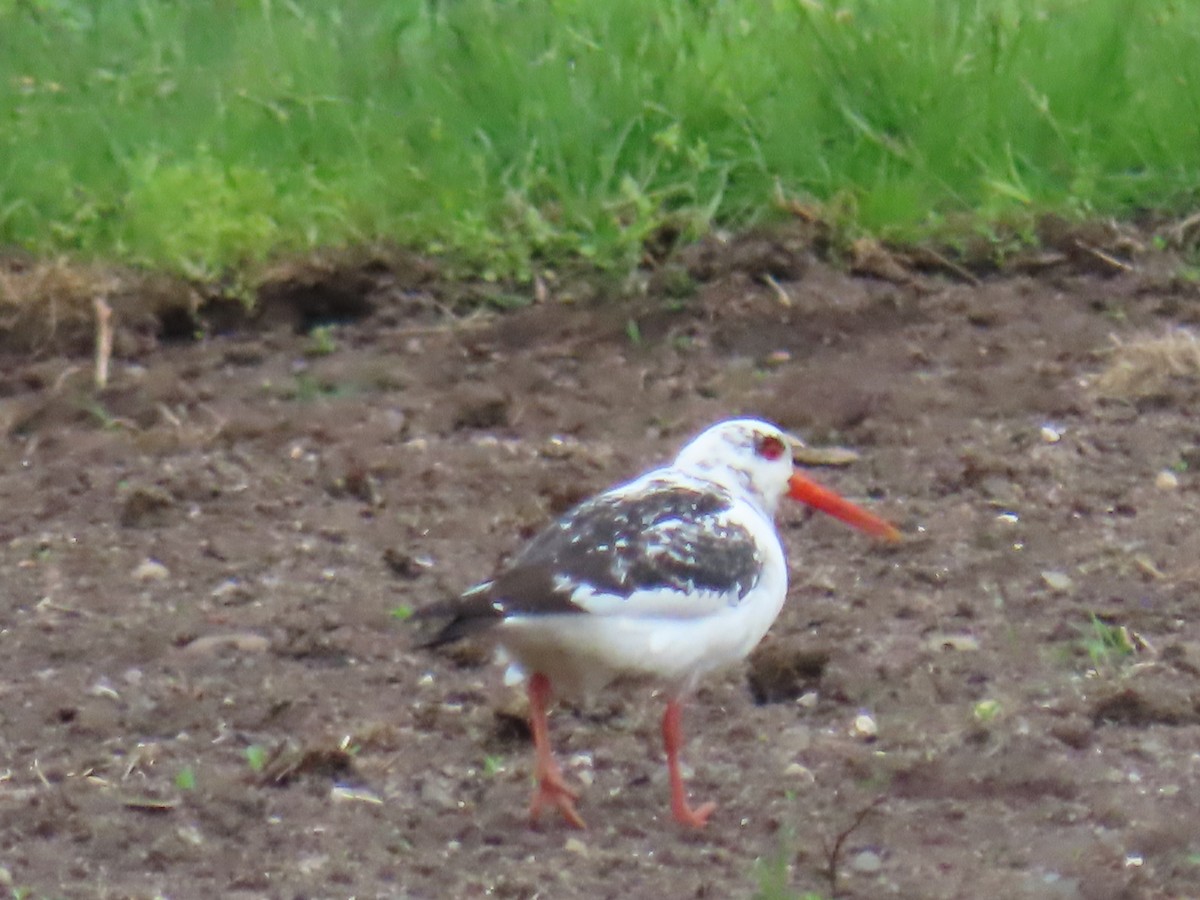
666	578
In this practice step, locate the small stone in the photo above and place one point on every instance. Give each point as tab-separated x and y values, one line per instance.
231	592
219	644
576	846
1051	434
866	727
582	765
151	570
103	688
802	772
866	862
1166	480
1059	582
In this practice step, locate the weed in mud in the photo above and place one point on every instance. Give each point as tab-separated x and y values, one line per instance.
256	757
773	873
1107	646
321	341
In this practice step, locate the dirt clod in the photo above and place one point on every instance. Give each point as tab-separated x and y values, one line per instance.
146	506
783	671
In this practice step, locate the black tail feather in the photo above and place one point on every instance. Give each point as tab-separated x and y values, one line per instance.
461	617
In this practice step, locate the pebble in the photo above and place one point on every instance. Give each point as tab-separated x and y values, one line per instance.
242	642
796	770
1166	480
575	845
866	727
151	570
231	592
1051	434
866	862
1059	582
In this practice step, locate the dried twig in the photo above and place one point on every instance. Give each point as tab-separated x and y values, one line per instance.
104	341
835	852
1106	258
785	299
931	257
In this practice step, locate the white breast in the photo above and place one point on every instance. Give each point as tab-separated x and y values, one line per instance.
640	637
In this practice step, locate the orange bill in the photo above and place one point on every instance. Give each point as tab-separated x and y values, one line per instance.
808	491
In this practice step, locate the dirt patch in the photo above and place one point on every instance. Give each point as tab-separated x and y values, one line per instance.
208	688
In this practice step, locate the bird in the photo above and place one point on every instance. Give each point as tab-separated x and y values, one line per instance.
663	579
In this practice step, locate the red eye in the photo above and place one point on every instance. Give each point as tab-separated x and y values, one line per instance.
771	447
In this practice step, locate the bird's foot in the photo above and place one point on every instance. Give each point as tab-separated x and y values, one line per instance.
693	818
553	791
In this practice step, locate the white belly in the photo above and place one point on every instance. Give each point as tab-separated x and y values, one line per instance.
582	652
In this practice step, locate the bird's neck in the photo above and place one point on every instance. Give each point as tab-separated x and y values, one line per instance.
733	481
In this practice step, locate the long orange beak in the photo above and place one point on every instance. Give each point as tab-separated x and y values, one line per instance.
808	491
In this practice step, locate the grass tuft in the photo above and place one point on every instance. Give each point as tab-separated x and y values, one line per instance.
1143	366
513	136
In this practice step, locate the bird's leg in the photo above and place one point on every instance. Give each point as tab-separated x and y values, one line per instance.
551	789
672	729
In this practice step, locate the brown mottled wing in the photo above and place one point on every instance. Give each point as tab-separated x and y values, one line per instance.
674	539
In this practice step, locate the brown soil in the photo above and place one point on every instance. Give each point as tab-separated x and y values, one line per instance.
206	691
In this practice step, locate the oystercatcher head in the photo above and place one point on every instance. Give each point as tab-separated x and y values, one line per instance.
665	578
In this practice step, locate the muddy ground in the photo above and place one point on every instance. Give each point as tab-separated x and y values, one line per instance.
207	687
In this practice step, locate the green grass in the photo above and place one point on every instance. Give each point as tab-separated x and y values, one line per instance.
1107	646
513	135
256	757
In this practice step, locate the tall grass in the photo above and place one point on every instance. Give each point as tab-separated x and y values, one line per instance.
518	133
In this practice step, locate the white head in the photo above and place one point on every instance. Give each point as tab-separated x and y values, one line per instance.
753	459
747	456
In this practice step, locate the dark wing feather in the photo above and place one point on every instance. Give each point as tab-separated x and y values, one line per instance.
661	535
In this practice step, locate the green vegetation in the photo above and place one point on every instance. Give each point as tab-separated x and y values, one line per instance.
772	872
512	135
1107	646
256	757
185	779
321	341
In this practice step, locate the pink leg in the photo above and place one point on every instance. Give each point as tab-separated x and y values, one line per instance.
672	729
551	789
